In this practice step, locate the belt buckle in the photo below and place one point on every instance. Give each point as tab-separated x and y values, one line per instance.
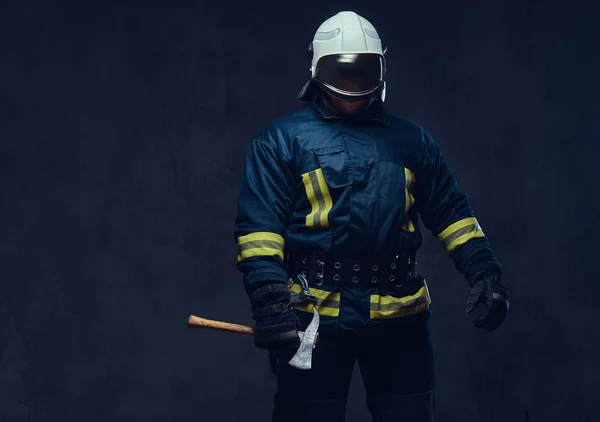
412	268
407	267
320	265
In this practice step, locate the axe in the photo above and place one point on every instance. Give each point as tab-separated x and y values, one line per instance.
303	357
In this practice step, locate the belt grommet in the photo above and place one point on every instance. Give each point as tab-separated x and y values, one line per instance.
319	263
304	273
304	260
392	278
375	267
336	277
319	276
356	267
355	279
374	280
337	265
393	266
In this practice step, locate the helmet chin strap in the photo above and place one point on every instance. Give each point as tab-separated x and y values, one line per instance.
366	107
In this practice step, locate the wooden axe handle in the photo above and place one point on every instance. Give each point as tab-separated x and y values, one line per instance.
194	321
197	322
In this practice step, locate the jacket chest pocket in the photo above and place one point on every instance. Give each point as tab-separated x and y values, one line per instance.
333	173
335	165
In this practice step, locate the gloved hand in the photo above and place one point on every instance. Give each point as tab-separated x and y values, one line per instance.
487	288
276	327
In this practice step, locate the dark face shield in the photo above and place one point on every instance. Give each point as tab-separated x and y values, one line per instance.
351	76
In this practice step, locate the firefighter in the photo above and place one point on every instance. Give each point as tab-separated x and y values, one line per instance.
332	192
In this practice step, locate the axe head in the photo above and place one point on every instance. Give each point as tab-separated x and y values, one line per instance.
303	357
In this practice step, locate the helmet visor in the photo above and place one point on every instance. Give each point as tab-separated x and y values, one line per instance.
351	74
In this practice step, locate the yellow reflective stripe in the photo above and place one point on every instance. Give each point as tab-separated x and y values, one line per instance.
310	193
319	197
324	189
455	226
461	240
395	307
459	233
320	294
261	236
260	244
328	303
260	252
409	178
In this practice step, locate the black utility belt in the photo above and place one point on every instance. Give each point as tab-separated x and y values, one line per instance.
320	269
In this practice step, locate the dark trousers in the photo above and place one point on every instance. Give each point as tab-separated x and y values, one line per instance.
396	363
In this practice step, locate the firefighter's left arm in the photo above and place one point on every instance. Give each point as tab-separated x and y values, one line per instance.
447	213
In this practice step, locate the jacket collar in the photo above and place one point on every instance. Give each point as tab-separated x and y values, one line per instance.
376	111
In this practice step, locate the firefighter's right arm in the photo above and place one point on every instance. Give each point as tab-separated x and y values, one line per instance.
264	206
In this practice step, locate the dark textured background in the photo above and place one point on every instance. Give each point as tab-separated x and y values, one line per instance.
123	134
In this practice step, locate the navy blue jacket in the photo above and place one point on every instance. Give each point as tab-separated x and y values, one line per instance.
317	182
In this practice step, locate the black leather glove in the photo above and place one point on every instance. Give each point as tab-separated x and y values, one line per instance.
487	289
276	327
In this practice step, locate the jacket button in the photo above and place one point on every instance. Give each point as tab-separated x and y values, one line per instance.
374	280
375	267
319	263
355	279
393	266
336	277
356	267
337	265
392	278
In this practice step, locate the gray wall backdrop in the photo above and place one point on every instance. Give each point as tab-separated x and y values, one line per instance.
123	133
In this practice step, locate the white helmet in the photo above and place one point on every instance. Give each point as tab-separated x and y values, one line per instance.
347	59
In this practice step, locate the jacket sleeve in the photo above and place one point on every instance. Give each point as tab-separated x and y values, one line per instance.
446	212
264	206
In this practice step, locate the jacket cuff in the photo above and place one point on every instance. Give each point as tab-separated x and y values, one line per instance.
255	280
